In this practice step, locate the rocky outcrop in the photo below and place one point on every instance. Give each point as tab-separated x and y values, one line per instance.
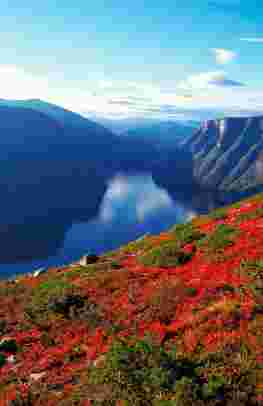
227	153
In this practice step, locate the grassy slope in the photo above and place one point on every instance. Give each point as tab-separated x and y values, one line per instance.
174	319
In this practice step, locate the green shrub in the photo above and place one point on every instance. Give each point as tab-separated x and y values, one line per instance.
166	256
219	214
221	238
257	213
228	288
190	291
214	385
39	306
115	265
3	325
253	267
186	234
141	244
9	346
2	360
141	372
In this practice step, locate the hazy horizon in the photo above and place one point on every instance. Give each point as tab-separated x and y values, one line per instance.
121	60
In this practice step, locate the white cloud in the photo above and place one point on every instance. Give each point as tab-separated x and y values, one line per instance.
250	39
118	189
15	83
107	213
151	202
223	56
208	80
122	99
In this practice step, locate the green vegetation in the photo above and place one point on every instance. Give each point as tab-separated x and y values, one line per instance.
142	372
2	360
9	346
219	214
38	307
220	239
83	325
166	256
257	213
142	244
186	234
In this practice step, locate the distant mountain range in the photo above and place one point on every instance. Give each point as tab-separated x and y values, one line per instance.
163	134
143	124
222	154
227	154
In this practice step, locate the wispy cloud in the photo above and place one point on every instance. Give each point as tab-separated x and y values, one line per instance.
152	202
251	39
209	80
122	99
223	56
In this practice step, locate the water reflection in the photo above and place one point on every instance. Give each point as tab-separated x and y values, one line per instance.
91	214
131	206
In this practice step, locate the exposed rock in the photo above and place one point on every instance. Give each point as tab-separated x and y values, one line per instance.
88	259
37	376
99	361
11	359
226	153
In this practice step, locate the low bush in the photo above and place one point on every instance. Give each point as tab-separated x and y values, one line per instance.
142	372
166	256
186	234
221	238
9	346
2	360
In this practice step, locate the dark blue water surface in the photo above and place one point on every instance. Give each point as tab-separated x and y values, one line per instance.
131	206
52	212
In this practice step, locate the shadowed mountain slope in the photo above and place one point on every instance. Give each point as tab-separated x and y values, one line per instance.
227	153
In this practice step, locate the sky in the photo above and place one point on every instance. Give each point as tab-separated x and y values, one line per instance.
118	59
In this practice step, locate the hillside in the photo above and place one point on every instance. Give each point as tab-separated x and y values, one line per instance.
173	319
227	153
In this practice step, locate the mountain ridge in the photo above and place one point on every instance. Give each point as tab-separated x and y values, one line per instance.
226	153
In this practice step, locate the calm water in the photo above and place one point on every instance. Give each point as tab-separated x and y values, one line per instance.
131	206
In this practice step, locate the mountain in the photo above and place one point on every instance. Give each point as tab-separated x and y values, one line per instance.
63	116
55	173
164	134
227	153
123	125
100	147
174	318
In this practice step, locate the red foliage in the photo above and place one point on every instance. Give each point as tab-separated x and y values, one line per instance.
203	317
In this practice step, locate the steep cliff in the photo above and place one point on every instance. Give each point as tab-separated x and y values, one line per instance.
227	153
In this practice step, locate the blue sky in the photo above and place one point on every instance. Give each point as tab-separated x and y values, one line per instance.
118	58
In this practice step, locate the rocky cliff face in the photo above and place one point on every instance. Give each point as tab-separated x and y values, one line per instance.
227	153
